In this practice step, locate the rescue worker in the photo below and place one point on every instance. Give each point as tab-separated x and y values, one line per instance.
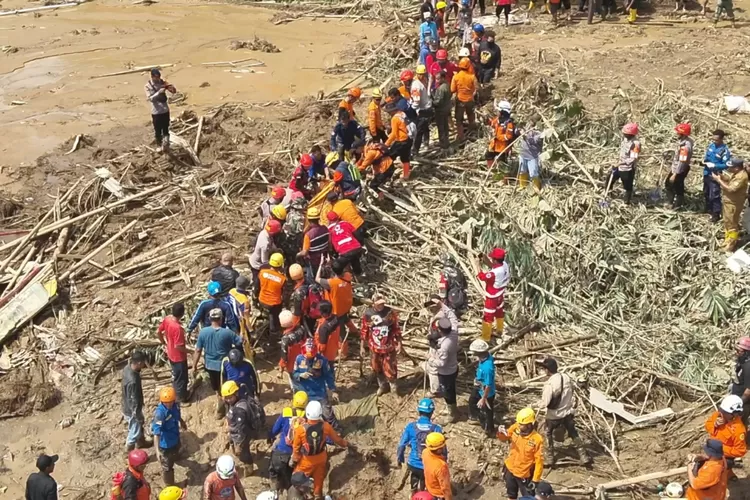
313	375
482	399
630	149
490	56
441	64
278	194
495	282
272	279
558	401
399	140
302	487
132	401
464	22
214	301
309	453
340	293
722	6
346	177
544	491
41	485
427	53
166	430
134	485
441	102
241	298
725	425
741	379
315	243
465	53
477	36
225	274
156	92
352	96
406	77
298	300
265	245
707	473
413	437
529	157
236	368
464	85
294	227
442	358
344	243
173	493
346	131
375	117
452	286
327	334
426	7
525	463
674	185
440	18
318	170
381	333
301	179
347	211
240	424
421	101
436	473
428	29
376	156
279	470
733	183
503	134
223	482
292	340
716	160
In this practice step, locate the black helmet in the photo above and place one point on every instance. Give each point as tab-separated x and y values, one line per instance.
235	356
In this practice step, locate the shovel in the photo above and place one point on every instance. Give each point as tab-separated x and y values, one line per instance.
655	195
604	202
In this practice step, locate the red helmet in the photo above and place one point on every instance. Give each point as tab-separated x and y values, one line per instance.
332	216
422	495
355	92
310	350
441	55
630	129
278	193
306	160
744	343
273	226
683	129
136	458
497	254
406	75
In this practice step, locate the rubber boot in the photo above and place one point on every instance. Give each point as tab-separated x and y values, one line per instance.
499	325
486	331
632	15
628	196
168	477
142	442
452	415
407	170
537	183
523	180
549	454
583	455
383	386
131	447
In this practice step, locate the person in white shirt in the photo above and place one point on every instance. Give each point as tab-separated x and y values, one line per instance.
422	103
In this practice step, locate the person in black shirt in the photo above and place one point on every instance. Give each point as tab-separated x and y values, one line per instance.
40	485
489	58
132	401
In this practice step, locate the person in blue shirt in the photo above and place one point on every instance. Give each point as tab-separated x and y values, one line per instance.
430	48
414	436
402	104
215	342
318	170
237	368
166	430
482	399
428	29
345	133
215	301
313	375
543	491
278	467
715	161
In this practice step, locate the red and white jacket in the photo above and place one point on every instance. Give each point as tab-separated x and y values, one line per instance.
495	280
342	237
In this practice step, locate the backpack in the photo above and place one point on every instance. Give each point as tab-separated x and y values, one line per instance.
294	422
421	437
457	297
116	491
314	442
257	416
314	298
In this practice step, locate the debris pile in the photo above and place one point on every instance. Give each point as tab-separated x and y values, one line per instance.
257	43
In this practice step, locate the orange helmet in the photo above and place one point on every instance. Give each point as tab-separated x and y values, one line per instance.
338	176
683	129
355	92
406	75
464	64
167	395
630	129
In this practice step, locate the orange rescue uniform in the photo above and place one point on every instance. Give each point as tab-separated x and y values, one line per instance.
731	434
464	85
341	295
471	70
437	477
399	132
309	450
345	104
404	93
525	454
329	350
374	118
373	155
347	211
271	286
504	134
710	482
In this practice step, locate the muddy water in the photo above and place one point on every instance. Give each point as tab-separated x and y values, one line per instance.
61	53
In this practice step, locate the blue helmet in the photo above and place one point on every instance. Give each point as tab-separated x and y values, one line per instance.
465	3
478	28
426	406
214	288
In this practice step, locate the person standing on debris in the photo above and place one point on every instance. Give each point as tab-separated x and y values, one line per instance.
529	158
428	29
722	6
309	453
299	301
272	279
464	85
265	245
215	342
223	482
442	360
292	340
504	133
421	101
707	473
294	227
340	293
414	436
441	65
427	6
440	18
315	243
215	301
132	401
344	243
352	96
482	400
134	485
375	116
715	161
427	53
381	333
464	23
278	194
436	473
525	463
400	140
225	274
156	92
376	156
347	211
495	280
346	178
327	335
441	101
490	56
346	131
313	375
558	400
630	150
240	423
41	485
241	295
452	286
301	179
172	336
279	470
166	429
733	183
241	371
725	424
674	185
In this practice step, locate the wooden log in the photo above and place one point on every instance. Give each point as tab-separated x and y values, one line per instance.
98	249
138	69
198	135
36	9
679	471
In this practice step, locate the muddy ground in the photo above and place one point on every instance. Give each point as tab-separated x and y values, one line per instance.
53	71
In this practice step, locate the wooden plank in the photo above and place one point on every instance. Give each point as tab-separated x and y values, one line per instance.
22	308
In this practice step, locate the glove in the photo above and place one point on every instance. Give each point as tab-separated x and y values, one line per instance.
292	463
531	486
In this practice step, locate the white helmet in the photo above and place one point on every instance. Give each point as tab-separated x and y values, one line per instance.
731	404
503	106
464	52
478	346
225	466
673	490
314	410
427	15
286	318
267	495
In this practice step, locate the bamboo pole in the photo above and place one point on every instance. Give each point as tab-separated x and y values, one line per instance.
98	249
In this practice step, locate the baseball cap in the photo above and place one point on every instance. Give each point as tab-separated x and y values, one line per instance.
215	313
300	480
155	72
549	363
714	448
544	489
444	324
432	300
45	461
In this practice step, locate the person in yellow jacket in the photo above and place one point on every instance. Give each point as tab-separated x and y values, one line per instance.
525	463
733	182
242	308
375	117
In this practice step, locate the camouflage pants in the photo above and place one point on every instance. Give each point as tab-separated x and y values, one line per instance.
724	6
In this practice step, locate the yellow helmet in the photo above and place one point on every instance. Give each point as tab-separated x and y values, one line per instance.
171	493
434	441
296	272
279	211
276	260
313	213
229	388
526	416
440	5
421	69
376	93
300	399
331	158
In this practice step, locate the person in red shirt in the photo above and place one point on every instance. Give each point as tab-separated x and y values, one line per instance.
172	335
442	64
344	243
382	334
301	181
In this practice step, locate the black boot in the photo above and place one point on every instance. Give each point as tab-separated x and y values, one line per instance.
168	477
678	201
142	442
714	218
628	196
131	447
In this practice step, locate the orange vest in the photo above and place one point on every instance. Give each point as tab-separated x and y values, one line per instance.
504	134
399	132
347	106
404	93
711	481
731	434
271	286
347	211
464	85
374	156
374	118
340	294
525	454
329	350
437	477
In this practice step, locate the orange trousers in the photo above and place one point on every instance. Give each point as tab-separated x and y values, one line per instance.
315	466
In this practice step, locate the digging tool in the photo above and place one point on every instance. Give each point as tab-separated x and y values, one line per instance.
404	475
604	202
338	355
655	194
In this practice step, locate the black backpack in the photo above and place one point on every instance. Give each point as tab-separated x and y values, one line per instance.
458	299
